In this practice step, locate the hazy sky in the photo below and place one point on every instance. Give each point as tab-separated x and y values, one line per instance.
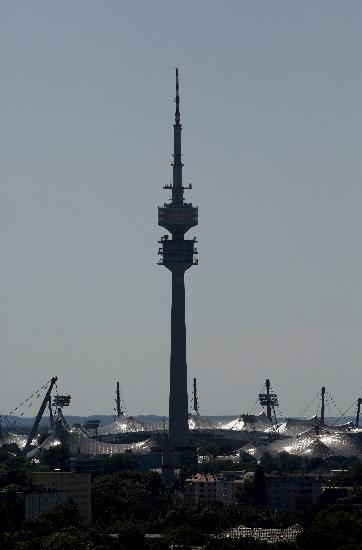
271	113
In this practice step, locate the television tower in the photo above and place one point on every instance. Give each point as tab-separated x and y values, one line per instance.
177	254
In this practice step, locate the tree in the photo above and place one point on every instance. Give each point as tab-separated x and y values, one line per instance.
355	473
333	529
63	517
119	462
259	487
7	450
124	495
185	535
130	536
11	515
68	539
17	468
56	457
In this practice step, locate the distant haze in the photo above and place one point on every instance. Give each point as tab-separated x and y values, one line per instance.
271	113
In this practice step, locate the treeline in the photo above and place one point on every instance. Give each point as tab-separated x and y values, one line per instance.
127	504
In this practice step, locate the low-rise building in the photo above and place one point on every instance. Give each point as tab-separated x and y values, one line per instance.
287	491
37	502
76	487
228	484
33	502
281	491
201	488
208	488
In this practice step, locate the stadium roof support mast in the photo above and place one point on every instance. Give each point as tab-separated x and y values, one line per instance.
195	399
177	254
269	400
38	418
118	401
323	391
359	402
268	404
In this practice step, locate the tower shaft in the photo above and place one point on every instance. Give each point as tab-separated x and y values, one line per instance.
178	256
178	403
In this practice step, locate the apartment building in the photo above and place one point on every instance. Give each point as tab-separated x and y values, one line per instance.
76	487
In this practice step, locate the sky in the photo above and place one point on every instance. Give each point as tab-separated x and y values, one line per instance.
272	131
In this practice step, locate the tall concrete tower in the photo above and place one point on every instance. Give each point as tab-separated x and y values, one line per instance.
177	254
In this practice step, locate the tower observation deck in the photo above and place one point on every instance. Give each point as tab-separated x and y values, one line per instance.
178	255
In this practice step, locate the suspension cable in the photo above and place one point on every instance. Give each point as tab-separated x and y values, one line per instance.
345	412
334	403
309	405
36	394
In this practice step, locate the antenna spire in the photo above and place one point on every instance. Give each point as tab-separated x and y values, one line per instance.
177	100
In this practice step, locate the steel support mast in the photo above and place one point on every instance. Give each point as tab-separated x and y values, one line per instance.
177	254
269	400
39	415
323	391
195	399
359	401
118	401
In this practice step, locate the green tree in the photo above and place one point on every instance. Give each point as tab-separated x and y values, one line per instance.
259	487
11	515
119	462
61	518
55	457
185	535
130	535
68	539
18	469
7	450
126	495
333	529
355	473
